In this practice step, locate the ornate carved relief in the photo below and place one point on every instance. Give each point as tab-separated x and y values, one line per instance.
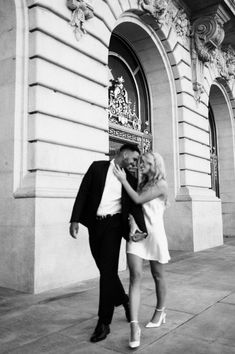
156	8
225	62
181	24
82	11
164	11
144	143
207	36
120	109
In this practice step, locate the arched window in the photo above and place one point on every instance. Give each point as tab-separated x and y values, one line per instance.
213	154
129	105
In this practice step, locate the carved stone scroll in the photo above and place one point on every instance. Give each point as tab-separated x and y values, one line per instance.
81	12
207	36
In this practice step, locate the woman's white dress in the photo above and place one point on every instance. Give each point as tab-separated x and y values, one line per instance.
154	246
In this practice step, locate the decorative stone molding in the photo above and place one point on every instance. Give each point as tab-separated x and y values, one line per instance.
181	24
165	12
207	35
225	62
156	8
81	12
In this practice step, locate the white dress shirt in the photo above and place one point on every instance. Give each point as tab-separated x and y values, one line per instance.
111	199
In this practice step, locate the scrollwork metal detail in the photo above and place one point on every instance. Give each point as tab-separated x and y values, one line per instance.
81	12
120	109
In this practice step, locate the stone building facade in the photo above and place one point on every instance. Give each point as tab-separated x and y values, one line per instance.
77	79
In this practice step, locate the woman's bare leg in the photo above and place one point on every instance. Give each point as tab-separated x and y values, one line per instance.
135	265
157	270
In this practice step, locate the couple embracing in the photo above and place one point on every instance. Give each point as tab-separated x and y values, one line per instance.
112	204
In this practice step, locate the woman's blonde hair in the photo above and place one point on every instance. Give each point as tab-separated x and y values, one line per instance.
158	173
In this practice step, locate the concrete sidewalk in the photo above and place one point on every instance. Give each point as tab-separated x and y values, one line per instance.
200	312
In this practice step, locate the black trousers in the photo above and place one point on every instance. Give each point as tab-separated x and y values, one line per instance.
105	240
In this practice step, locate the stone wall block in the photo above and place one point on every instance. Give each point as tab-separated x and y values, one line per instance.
60	131
194	148
55	157
134	4
178	232
189	162
207	225
97	28
192	132
46	21
115	7
187	115
179	53
103	11
58	6
56	184
194	178
57	104
124	5
184	85
50	49
47	74
182	70
169	38
186	100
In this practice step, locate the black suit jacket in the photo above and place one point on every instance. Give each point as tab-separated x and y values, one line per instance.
90	194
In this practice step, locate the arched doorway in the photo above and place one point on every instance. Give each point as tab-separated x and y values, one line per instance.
220	115
213	153
137	46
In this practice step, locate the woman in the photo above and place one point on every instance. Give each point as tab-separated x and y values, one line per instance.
152	194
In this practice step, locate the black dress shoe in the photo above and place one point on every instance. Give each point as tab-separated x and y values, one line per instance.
127	311
100	333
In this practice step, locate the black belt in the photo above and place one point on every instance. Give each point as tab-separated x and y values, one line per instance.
107	216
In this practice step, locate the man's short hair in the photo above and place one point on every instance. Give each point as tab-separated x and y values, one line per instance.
131	147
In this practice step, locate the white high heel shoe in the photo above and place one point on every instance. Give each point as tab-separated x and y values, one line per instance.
161	320
135	343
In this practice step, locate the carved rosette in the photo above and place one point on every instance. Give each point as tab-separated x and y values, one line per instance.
208	34
156	8
81	12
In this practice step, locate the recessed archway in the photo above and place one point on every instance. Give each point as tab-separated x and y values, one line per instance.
163	109
222	112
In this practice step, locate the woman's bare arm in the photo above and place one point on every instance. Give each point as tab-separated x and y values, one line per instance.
156	191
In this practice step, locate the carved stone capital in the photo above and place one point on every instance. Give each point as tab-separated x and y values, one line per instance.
81	12
156	8
208	32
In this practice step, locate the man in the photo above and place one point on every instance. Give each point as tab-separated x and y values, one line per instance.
103	206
